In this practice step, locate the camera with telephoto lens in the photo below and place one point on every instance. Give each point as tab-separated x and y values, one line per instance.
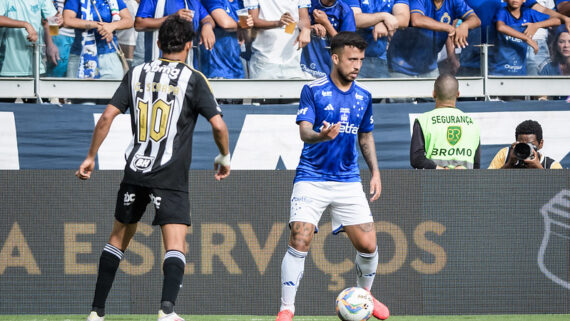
523	151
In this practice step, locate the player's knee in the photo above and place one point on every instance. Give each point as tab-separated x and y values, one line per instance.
300	242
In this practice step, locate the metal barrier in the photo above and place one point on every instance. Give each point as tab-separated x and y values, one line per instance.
480	86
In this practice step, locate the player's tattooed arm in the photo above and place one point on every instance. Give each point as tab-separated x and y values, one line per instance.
368	148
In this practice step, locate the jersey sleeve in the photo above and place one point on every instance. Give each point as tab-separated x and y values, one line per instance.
212	5
406	2
306	111
251	4
121	4
122	97
347	23
353	3
146	9
203	99
304	4
202	12
537	16
367	123
72	5
462	9
418	6
501	15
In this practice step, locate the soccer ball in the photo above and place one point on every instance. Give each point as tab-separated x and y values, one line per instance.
354	304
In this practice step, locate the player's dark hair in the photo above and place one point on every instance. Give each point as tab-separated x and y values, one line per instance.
347	38
529	127
446	87
174	33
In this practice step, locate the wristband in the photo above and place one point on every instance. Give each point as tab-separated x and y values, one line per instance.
223	160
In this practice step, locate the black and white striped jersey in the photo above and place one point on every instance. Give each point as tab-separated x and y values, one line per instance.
164	99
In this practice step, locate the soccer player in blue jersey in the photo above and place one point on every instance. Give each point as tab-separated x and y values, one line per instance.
328	17
377	21
512	20
413	51
224	61
335	114
152	13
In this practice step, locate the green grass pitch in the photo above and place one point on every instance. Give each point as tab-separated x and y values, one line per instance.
145	317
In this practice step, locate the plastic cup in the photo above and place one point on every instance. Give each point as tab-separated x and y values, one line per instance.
53	26
242	16
290	28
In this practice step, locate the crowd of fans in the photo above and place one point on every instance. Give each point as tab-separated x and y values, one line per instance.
277	39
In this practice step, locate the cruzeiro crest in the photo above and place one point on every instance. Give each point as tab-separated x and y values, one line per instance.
453	134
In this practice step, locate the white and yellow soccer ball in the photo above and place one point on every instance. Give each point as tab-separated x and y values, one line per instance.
354	304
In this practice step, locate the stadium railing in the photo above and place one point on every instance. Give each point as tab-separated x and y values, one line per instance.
480	84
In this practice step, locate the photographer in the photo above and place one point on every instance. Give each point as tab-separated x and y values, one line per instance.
524	152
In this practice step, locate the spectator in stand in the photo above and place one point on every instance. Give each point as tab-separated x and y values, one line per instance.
485	10
541	35
224	61
152	13
514	24
284	27
377	21
328	17
93	54
559	63
63	40
413	51
127	38
24	21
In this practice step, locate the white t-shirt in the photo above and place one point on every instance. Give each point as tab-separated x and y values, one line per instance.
542	33
275	46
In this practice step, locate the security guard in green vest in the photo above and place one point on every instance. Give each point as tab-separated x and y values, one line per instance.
446	137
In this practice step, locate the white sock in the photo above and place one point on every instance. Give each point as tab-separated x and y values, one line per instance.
292	269
366	264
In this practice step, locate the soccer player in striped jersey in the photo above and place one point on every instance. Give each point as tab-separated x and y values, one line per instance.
164	98
335	114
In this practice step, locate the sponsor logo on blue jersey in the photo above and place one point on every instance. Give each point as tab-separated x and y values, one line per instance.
302	111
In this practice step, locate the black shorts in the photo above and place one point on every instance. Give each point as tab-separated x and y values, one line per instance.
172	207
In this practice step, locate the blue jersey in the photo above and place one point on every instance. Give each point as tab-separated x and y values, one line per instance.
148	7
223	61
337	159
376	48
315	58
413	51
508	56
550	69
105	11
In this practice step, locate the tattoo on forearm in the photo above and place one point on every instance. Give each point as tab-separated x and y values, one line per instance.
368	151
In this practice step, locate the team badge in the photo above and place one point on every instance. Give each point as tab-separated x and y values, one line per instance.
453	134
445	18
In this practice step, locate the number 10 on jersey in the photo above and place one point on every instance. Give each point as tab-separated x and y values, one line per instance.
159	119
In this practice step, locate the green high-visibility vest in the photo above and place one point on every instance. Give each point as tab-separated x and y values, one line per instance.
451	137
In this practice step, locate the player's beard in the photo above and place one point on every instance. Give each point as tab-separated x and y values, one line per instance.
346	77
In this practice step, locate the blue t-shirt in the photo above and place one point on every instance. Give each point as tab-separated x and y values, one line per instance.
413	51
148	7
223	61
105	11
376	48
315	58
508	56
337	159
550	69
